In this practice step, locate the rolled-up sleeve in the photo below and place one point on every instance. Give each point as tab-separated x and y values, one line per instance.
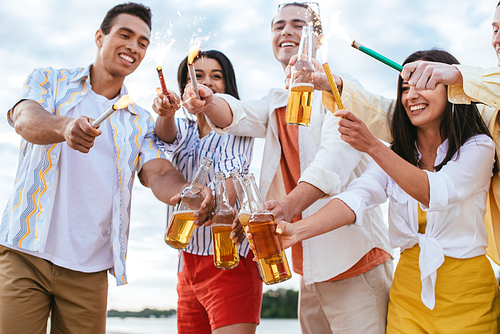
479	85
365	192
465	174
250	118
333	163
37	87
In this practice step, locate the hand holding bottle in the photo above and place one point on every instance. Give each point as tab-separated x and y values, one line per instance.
319	76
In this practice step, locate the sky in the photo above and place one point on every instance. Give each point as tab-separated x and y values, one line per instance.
60	33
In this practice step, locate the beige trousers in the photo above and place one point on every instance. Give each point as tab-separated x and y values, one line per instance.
351	306
31	288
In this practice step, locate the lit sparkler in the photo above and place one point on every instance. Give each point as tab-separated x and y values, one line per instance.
162	83
193	53
339	31
123	102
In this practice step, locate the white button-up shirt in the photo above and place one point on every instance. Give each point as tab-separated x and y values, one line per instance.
326	162
455	215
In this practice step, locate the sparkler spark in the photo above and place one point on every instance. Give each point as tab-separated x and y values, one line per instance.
123	102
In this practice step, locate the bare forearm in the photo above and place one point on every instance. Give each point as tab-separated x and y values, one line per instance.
166	129
219	112
332	216
38	126
299	199
163	179
410	178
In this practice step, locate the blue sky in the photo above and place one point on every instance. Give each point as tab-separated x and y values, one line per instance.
60	33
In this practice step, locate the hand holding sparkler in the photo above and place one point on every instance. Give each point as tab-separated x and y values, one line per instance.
196	103
164	89
428	75
166	106
79	134
354	132
123	102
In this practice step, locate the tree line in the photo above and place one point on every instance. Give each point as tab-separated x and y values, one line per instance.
276	304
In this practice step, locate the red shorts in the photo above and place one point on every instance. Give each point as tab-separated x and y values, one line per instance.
210	298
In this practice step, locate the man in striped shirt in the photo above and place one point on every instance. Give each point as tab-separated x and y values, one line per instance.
67	221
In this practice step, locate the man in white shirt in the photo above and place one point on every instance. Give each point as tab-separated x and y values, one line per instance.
67	221
345	275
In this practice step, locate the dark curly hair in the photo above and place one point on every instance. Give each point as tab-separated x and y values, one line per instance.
136	9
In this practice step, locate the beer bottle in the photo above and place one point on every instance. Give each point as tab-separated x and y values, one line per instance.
244	211
268	247
225	251
181	227
301	87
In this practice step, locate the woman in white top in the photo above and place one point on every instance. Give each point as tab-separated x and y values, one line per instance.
436	175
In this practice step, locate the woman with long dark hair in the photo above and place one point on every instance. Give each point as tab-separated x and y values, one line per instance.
436	175
210	300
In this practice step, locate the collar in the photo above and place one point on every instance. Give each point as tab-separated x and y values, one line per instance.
85	73
440	154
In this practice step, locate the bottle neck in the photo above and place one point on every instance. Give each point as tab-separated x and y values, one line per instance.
256	202
221	199
305	46
241	194
200	179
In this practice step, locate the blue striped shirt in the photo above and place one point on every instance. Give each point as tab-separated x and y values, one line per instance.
186	152
27	218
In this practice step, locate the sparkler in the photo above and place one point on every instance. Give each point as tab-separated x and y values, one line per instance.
377	56
193	53
339	31
329	75
123	102
162	83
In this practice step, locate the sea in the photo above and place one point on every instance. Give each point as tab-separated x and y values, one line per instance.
169	326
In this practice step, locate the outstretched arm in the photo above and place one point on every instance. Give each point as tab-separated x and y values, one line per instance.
411	179
428	75
215	108
38	126
332	216
167	183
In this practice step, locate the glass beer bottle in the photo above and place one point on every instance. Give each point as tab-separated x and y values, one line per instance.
225	250
244	211
268	247
181	227
301	87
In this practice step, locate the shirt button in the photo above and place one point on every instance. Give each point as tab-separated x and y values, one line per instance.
53	156
42	210
48	184
265	184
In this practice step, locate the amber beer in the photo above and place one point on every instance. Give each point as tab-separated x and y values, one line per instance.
225	250
268	248
180	229
271	273
298	110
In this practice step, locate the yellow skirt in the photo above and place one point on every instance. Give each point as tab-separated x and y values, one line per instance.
467	297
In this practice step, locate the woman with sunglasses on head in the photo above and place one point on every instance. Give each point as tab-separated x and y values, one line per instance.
210	300
436	175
